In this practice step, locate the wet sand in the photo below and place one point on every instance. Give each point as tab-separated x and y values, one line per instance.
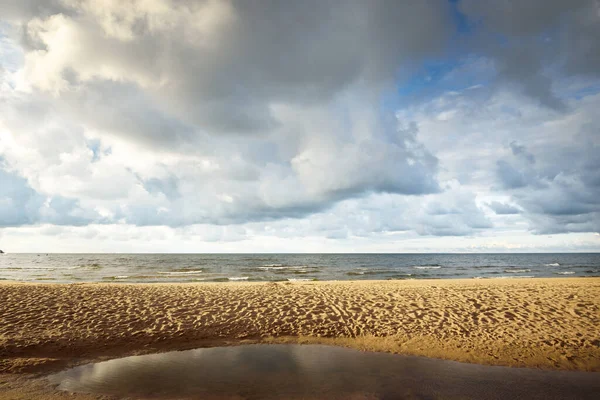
542	323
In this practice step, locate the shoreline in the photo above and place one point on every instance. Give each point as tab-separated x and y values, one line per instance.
296	281
548	323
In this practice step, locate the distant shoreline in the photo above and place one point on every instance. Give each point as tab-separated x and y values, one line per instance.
285	282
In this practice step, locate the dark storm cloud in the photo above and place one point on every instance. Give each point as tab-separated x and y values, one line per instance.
224	78
520	151
522	66
532	40
23	9
123	110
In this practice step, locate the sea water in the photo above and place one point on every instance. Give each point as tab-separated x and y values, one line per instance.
69	268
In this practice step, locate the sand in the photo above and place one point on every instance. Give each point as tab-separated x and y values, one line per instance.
544	323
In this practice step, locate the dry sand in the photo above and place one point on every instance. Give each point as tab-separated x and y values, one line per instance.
545	323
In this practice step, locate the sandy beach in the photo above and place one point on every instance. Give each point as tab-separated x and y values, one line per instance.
542	323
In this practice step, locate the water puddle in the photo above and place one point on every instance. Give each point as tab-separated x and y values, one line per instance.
315	372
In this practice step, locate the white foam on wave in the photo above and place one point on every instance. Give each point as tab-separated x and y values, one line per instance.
565	272
198	271
516	271
552	265
209	278
238	278
513	277
121	277
427	266
49	268
86	266
298	279
281	267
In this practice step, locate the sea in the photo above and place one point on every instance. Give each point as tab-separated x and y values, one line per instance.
147	268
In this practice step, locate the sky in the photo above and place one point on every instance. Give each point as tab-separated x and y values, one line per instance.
313	126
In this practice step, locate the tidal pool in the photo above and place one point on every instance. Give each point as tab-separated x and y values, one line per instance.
315	372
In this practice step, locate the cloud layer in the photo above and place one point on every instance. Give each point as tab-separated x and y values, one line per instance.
321	118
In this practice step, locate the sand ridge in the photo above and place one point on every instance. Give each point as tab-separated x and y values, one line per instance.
548	323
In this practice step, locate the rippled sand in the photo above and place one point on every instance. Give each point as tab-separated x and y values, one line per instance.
548	323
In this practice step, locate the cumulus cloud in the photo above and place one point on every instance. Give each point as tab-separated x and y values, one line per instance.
220	65
236	116
561	195
544	162
568	201
21	205
181	112
533	41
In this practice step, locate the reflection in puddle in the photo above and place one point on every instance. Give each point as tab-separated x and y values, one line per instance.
314	371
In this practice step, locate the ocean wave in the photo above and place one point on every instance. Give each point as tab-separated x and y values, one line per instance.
285	269
89	266
38	268
191	272
552	265
299	279
517	271
116	277
366	271
407	276
491	266
434	266
504	277
565	272
282	267
238	278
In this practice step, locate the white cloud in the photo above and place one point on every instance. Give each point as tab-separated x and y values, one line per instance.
260	124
